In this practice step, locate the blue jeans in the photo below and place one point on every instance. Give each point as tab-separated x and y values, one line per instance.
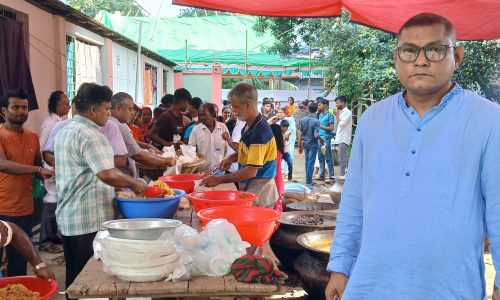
310	158
288	159
329	160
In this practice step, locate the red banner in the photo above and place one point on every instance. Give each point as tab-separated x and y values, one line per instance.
473	19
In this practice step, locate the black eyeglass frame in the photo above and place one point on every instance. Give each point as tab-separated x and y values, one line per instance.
398	51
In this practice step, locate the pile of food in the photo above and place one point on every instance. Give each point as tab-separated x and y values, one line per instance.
18	292
322	245
158	189
308	220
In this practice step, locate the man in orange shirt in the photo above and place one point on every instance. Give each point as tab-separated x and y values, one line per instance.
19	160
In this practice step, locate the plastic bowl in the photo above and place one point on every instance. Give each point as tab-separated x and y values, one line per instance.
207	199
183	182
254	224
33	283
164	208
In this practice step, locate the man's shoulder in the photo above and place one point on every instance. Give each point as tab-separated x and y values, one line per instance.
480	101
110	125
29	133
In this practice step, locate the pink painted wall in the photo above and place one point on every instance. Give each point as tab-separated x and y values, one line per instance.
217	86
177	80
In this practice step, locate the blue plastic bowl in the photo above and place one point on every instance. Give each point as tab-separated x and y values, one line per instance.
150	207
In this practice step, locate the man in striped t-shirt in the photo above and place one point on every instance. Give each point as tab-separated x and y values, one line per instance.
257	150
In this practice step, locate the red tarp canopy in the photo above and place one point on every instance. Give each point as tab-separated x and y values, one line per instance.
473	19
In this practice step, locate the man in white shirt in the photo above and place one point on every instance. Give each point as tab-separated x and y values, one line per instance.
207	138
344	131
234	142
58	110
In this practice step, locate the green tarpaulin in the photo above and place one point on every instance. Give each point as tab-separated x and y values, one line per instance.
214	39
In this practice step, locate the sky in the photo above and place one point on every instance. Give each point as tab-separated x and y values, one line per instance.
163	7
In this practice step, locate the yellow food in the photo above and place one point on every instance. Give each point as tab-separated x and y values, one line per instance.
131	195
17	292
168	191
322	245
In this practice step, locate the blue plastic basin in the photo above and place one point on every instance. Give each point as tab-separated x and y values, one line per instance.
150	207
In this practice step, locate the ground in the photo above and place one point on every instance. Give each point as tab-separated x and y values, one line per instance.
56	261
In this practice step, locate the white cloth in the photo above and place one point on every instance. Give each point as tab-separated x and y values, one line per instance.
209	144
344	127
235	137
87	63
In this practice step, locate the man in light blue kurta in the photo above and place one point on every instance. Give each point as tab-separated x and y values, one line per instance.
423	186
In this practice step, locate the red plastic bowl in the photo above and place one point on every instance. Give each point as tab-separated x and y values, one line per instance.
254	224
202	200
33	283
183	182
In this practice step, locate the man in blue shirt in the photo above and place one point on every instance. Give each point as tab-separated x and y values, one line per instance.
326	126
308	140
419	198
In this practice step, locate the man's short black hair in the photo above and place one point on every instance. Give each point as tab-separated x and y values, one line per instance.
265	102
285	123
342	98
19	93
182	95
313	108
158	111
196	102
91	94
324	101
210	107
428	19
54	100
167	100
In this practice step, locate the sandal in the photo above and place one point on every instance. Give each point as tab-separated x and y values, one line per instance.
53	249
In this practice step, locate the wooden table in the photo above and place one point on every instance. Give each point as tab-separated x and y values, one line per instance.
92	282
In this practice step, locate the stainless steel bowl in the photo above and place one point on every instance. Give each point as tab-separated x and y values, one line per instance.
309	241
141	229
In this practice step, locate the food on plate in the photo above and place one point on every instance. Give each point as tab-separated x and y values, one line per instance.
308	220
18	291
322	245
158	189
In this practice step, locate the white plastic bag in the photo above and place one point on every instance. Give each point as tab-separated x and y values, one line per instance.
170	152
188	154
138	260
212	251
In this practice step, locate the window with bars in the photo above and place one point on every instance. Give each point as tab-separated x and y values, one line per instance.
7	13
70	67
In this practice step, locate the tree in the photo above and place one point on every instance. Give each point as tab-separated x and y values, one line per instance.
92	7
360	58
197	12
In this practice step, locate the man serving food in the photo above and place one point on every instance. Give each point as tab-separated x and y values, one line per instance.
256	154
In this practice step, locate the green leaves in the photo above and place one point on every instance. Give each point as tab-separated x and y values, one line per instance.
360	58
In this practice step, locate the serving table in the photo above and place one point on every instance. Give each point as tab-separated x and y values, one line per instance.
92	282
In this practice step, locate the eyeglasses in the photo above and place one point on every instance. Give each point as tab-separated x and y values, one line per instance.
432	52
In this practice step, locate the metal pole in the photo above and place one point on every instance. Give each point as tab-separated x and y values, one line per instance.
309	80
186	50
139	71
246	53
